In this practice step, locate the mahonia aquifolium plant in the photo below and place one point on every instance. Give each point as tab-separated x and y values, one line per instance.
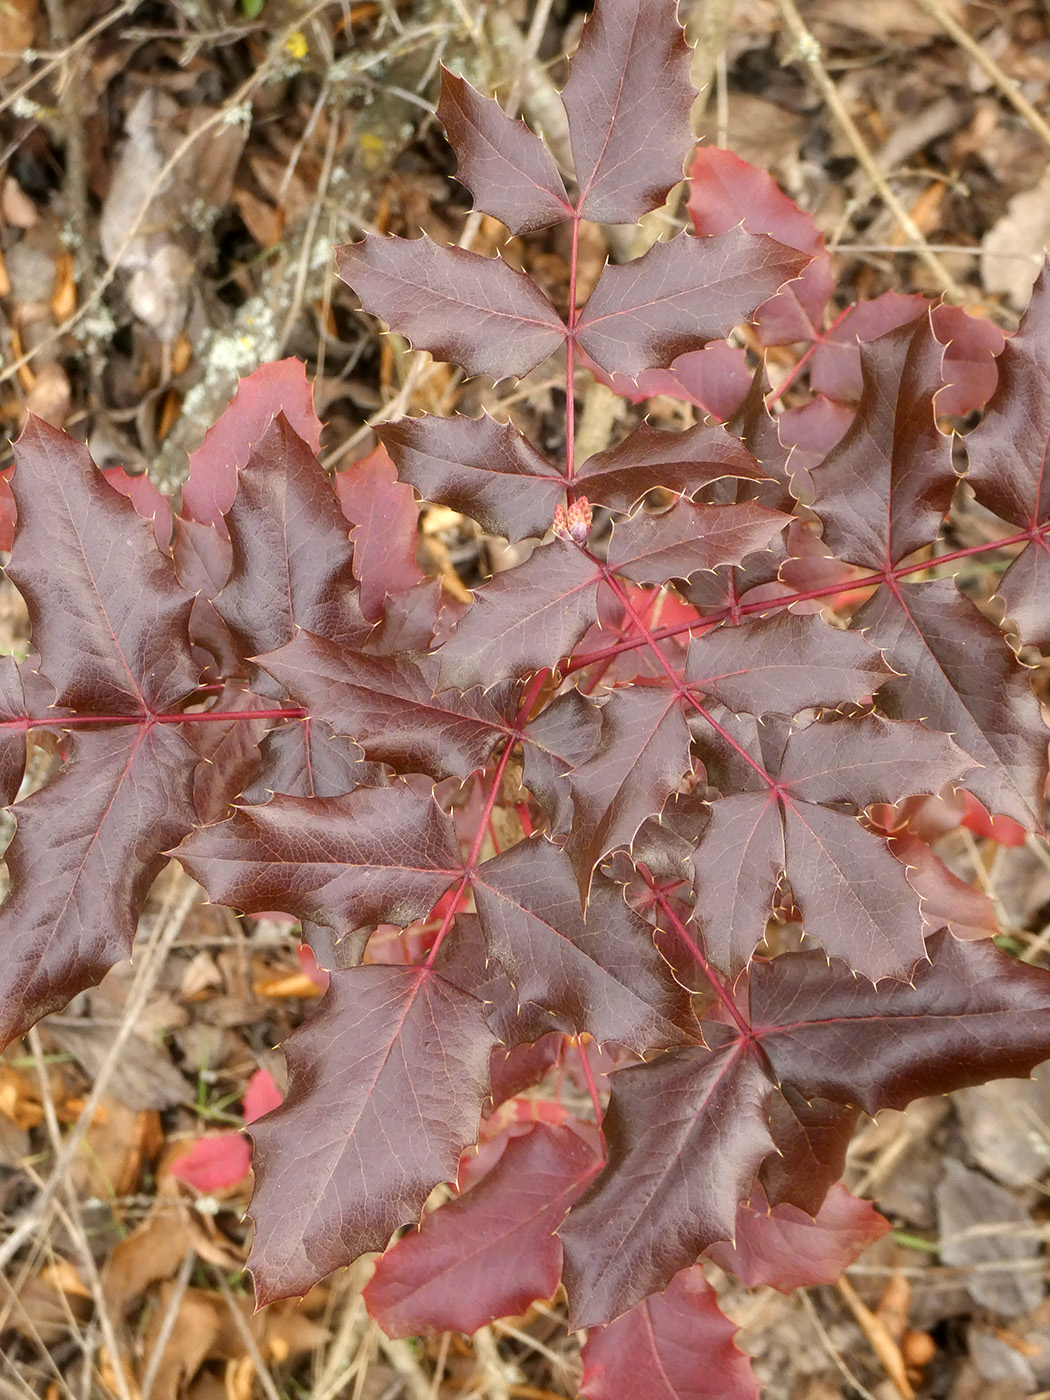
719	694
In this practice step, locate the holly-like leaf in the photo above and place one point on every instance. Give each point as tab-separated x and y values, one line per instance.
679	295
884	490
485	469
686	1134
387	704
386	1085
306	758
603	975
651	457
88	844
650	548
627	100
524	619
968	1013
23	692
1009	455
642	757
782	1247
377	855
106	648
291	549
474	311
972	689
676	1345
812	1136
783	664
559	739
785	815
505	166
492	1251
87	849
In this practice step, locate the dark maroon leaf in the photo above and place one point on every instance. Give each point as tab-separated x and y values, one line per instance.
485	469
854	897
524	619
603	975
558	740
970	1012
1009	466
975	690
883	491
644	314
686	1134
306	758
107	647
492	1251
782	1247
676	1345
511	1071
387	705
642	757
628	99
376	855
650	456
688	539
229	750
85	853
782	664
291	549
386	1084
812	1136
474	311
508	170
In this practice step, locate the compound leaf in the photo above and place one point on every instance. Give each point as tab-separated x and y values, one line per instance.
832	863
386	1085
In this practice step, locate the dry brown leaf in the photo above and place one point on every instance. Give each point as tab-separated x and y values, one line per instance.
17	27
19	1099
190	1343
980	1222
16	208
1012	249
51	395
152	1252
62	1274
144	1078
64	298
261	219
115	1148
40	1309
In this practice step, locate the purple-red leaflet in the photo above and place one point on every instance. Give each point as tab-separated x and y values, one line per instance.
492	1251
